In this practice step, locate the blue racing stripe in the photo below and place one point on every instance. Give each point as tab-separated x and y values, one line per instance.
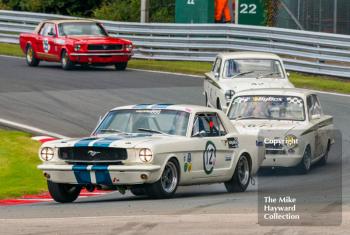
84	142
102	175
81	174
106	142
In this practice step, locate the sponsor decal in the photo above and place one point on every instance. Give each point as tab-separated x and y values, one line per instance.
228	158
209	157
59	41
188	162
290	141
46	45
233	142
259	143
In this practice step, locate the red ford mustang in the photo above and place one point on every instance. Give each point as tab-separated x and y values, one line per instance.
71	42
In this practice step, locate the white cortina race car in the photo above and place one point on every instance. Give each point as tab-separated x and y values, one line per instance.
151	149
296	133
238	71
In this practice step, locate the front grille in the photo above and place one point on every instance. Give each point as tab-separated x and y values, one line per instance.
92	154
105	47
274	149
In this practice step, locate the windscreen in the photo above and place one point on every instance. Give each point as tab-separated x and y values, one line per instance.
81	28
267	107
171	122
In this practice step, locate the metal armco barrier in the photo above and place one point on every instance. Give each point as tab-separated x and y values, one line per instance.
303	51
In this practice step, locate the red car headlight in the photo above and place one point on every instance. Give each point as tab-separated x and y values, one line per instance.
128	47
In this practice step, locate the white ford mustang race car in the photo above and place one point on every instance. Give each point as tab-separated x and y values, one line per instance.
151	149
238	71
296	132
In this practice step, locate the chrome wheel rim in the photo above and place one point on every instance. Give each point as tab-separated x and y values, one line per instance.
64	59
307	160
169	177
30	54
243	170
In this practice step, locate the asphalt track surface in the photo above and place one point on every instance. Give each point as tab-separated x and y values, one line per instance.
70	103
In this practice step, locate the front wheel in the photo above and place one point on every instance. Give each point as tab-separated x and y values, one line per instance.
30	57
63	192
305	164
240	179
121	66
66	63
166	186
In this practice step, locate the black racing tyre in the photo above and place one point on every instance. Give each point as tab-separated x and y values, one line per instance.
121	66
305	164
66	63
30	57
166	186
63	193
241	178
218	105
324	159
138	191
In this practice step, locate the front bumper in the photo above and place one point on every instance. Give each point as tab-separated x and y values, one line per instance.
100	57
101	174
283	160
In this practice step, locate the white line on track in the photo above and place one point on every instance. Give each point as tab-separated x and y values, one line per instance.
20	126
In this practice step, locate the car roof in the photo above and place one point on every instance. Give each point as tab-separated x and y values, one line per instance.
179	107
58	21
277	91
248	55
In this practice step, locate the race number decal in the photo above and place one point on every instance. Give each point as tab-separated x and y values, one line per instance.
209	157
46	45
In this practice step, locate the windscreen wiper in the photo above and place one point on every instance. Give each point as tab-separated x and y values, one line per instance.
268	74
112	130
152	131
244	73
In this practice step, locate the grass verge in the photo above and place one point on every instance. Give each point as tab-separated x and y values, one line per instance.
315	82
18	162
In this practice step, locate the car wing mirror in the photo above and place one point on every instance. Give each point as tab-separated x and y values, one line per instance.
216	75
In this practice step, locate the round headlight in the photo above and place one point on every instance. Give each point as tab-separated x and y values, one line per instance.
229	94
47	153
77	47
128	47
146	155
290	141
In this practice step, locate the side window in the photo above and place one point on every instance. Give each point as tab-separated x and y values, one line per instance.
48	30
217	66
207	125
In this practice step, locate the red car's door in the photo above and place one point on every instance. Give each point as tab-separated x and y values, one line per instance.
46	42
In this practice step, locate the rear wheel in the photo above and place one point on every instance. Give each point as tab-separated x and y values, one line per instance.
166	186
66	63
30	57
63	192
240	179
305	164
121	66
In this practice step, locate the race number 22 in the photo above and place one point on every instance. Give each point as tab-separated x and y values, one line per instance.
247	8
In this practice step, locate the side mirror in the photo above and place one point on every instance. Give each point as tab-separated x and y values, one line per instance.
315	116
288	74
51	34
216	75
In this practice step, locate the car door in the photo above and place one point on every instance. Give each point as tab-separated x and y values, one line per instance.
211	85
214	160
315	117
46	42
